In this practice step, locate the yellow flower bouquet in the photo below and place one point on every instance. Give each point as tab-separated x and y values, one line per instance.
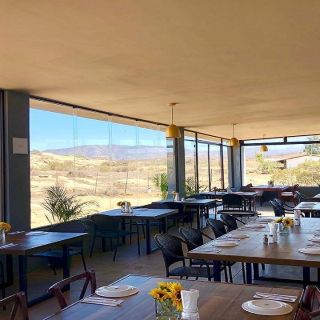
285	224
167	297
6	227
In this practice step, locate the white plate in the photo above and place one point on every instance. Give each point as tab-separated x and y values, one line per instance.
238	235
225	243
315	251
116	291
267	307
315	239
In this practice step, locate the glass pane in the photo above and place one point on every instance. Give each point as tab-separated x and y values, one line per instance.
284	164
215	167
203	167
51	158
190	163
304	138
226	159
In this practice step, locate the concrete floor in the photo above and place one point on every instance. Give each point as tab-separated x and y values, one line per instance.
128	262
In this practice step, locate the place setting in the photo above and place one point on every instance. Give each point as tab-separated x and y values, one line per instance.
110	295
270	304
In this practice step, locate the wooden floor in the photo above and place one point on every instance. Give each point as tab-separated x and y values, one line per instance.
127	262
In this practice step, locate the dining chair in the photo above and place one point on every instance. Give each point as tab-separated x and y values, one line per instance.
19	306
55	256
218	229
288	195
267	196
110	228
230	221
172	252
310	304
57	288
193	239
233	201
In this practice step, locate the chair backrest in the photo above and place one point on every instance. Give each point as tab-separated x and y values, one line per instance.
171	248
192	237
105	223
298	197
246	188
310	304
217	227
278	210
56	289
19	303
230	221
268	195
233	200
70	226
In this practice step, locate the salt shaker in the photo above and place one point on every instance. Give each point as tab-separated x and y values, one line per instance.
265	239
271	238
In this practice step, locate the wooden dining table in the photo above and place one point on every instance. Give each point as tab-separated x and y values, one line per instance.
219	301
253	251
275	188
309	208
143	214
26	244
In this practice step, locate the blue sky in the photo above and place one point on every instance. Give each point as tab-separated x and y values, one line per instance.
51	130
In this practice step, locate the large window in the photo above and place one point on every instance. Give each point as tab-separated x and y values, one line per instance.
294	161
100	160
190	163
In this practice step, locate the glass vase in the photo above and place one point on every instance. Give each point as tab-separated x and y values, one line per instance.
284	230
2	236
166	311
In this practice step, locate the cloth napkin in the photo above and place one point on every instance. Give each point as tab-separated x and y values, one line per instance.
102	301
310	250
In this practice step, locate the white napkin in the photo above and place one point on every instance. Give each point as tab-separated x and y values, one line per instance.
190	304
310	250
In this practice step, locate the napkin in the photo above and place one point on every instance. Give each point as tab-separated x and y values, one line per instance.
310	250
190	304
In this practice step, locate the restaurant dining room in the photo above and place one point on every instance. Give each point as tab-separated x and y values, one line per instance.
159	160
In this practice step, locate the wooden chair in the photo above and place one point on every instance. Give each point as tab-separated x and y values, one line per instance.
56	289
310	304
18	301
233	201
288	195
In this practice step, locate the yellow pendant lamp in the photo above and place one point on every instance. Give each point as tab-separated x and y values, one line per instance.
263	147
234	142
173	131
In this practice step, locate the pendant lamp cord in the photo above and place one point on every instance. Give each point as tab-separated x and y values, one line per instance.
171	113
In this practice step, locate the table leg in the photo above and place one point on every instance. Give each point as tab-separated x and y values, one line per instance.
148	237
23	281
9	268
217	271
123	228
255	271
249	273
65	263
306	276
164	225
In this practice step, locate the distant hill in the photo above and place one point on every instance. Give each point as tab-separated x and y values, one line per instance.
119	152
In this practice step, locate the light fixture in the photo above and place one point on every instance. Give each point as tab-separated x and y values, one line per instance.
234	142
263	147
173	131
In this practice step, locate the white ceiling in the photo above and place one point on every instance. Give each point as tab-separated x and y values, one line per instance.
252	62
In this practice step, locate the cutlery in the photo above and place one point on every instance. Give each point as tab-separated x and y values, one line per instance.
7	246
276	296
102	301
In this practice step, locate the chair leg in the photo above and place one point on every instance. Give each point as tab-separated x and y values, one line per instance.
83	261
230	272
243	273
138	239
3	289
225	272
263	266
143	231
92	246
130	230
115	250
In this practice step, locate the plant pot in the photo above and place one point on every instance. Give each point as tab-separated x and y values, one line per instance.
166	311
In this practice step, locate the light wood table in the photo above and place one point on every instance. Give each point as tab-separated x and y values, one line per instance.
147	215
30	243
309	207
217	301
253	251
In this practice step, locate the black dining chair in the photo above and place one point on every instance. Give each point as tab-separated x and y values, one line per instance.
230	221
55	256
110	228
267	196
194	239
233	201
172	252
219	230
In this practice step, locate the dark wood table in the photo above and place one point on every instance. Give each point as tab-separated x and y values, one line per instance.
28	244
198	204
219	301
249	196
146	215
276	188
253	251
